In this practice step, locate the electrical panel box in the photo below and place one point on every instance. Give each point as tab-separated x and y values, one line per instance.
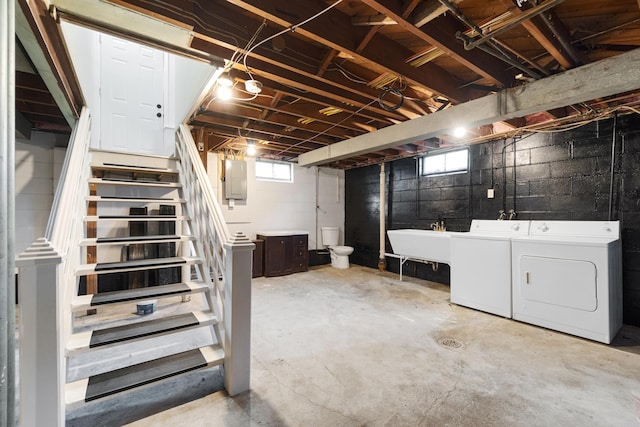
235	179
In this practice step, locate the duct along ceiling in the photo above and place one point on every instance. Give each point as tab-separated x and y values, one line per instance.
307	74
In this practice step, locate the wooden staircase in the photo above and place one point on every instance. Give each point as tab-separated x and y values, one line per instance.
167	262
130	228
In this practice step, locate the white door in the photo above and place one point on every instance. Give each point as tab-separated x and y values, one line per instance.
131	89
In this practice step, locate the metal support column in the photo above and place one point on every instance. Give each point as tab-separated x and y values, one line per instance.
7	213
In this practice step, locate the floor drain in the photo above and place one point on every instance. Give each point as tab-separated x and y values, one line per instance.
450	343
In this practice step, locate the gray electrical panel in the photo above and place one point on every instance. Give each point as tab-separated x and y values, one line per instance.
235	179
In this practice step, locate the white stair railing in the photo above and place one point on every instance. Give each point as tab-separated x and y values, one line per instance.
227	263
48	284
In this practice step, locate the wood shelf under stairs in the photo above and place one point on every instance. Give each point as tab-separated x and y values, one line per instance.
167	235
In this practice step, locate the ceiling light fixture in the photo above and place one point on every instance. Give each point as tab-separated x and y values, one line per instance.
223	92
253	86
251	149
224	85
225	80
459	132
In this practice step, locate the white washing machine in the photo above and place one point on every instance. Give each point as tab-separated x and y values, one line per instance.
567	276
481	265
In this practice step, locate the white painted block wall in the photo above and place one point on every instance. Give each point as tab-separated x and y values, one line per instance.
315	199
38	165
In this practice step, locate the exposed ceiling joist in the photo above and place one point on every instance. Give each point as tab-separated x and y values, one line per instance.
599	79
439	34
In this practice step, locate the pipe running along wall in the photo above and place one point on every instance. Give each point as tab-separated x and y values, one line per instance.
7	213
381	258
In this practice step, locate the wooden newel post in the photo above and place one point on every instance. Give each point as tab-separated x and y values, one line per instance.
42	363
237	314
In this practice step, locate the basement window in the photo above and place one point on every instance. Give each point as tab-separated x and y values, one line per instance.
447	163
269	170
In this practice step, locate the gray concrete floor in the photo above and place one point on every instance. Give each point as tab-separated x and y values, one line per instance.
358	347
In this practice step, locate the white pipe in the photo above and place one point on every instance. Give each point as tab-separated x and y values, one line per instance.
381	259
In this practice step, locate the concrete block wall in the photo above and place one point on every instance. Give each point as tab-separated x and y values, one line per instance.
555	176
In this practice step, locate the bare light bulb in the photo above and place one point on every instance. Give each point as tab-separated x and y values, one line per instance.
459	132
251	149
224	92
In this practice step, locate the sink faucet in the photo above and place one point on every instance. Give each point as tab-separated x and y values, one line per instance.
438	226
512	214
502	215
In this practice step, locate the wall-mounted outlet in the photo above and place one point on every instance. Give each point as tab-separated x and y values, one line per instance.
491	193
200	146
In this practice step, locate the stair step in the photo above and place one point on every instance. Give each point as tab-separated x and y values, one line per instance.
134	182
103	218
139	330
87	302
120	380
134	239
140	264
116	167
165	200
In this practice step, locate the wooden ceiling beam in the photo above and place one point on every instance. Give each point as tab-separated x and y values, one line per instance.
281	119
265	132
333	29
599	79
429	10
552	35
342	92
442	35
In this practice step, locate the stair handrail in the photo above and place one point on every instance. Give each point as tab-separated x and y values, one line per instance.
189	147
226	260
58	225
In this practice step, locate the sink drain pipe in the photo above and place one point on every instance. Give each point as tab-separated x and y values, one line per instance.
381	259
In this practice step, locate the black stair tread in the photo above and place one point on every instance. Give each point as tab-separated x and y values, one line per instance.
133	376
134	265
129	240
135	182
136	238
101	337
139	181
132	198
139	263
137	216
125	167
114	297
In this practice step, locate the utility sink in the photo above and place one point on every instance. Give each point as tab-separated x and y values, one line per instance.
426	245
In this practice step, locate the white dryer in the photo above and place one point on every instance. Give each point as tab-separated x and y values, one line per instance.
481	265
567	276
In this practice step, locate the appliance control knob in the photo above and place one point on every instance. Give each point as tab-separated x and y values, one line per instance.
515	227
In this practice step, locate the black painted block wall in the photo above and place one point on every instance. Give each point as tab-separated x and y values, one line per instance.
557	176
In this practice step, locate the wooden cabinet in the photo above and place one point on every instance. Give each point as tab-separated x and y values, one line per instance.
285	254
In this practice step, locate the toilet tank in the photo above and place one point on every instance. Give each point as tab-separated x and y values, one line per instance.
330	236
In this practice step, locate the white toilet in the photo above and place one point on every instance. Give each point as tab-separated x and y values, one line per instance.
339	254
